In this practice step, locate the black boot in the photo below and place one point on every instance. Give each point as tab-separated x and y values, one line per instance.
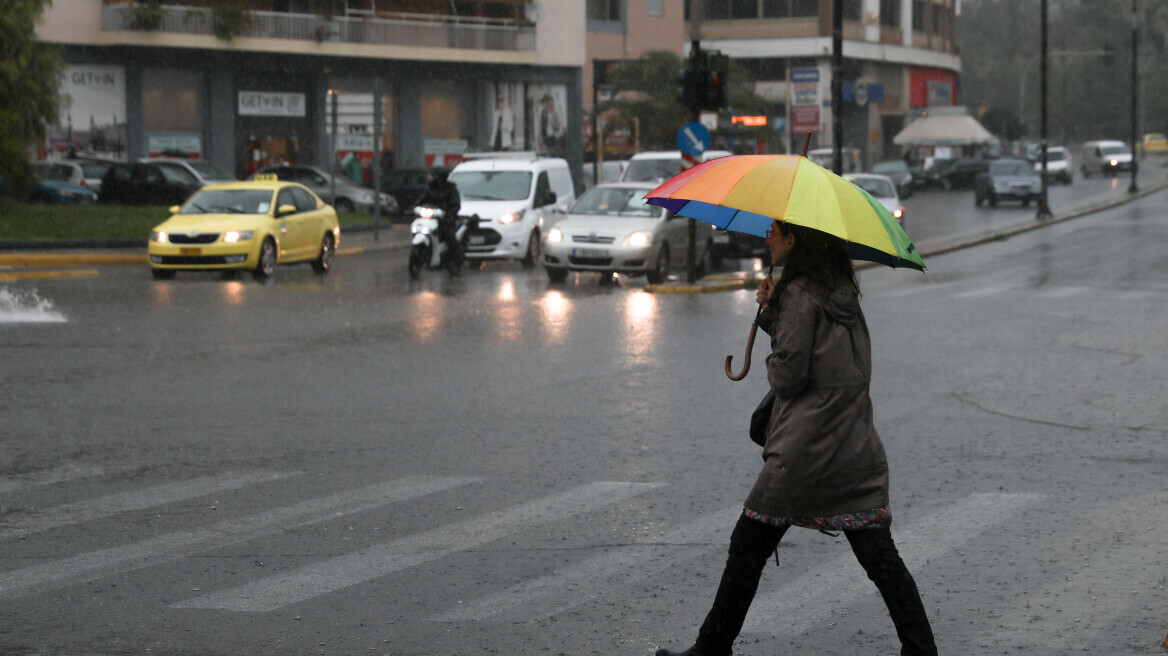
751	545
878	556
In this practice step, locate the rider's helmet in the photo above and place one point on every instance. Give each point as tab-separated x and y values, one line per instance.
437	176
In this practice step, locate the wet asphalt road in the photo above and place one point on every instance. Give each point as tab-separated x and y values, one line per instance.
362	464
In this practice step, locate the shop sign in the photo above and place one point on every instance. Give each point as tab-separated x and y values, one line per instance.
805	98
271	103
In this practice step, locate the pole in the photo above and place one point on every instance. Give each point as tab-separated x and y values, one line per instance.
691	232
1043	206
1135	25
333	155
376	164
837	85
595	123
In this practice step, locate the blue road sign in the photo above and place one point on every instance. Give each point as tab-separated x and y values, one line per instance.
693	139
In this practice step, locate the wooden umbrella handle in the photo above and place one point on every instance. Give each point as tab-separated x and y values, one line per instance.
746	366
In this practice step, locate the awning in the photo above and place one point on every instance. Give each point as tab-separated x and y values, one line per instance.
944	131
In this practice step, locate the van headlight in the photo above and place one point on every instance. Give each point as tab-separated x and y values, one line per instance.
511	217
639	238
234	236
555	236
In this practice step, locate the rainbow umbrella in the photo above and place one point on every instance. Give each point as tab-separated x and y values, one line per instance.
745	193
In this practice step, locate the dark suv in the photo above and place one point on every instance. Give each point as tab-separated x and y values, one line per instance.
961	174
147	184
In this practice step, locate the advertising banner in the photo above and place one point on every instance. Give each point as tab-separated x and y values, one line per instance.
805	100
271	103
93	112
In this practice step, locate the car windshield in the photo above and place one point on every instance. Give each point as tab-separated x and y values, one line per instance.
942	165
616	201
492	185
1053	155
878	187
58	172
229	201
209	170
1114	150
1010	168
647	170
890	167
94	170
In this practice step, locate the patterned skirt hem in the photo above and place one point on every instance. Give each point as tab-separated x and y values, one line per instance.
857	521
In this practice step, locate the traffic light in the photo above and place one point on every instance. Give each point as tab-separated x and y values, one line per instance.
690	87
715	81
1108	54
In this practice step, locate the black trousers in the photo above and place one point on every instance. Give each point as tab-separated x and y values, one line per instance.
752	544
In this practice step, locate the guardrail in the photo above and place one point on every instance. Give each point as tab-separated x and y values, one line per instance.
420	30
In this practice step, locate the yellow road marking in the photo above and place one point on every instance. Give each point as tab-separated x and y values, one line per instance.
70	259
11	276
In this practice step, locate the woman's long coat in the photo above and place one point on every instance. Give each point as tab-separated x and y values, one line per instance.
822	456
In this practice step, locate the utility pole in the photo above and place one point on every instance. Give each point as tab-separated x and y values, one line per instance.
1135	40
1043	206
691	231
837	85
375	165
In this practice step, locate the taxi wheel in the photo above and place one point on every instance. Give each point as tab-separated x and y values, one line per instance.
163	274
660	270
267	264
324	262
532	256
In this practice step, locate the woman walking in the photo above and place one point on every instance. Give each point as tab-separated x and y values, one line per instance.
825	466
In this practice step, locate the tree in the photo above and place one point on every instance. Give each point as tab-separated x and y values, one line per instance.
30	76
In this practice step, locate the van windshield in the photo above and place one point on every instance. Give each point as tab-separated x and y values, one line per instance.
1114	150
648	170
492	185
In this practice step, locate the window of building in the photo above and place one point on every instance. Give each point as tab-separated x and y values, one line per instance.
776	8
716	9
604	10
938	19
744	9
918	16
890	13
804	8
172	99
654	7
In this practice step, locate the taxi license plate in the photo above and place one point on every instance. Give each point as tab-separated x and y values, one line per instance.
477	240
190	251
589	252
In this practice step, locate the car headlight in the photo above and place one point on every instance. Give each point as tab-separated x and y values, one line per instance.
511	217
65	193
898	214
233	236
640	238
555	235
158	236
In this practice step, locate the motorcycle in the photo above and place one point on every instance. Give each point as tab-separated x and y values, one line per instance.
429	248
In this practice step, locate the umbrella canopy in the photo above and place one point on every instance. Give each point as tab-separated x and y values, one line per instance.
745	193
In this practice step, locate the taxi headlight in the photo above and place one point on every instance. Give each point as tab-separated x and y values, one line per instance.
555	235
511	217
233	236
158	236
640	238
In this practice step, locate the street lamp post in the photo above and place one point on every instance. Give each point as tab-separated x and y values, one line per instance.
1135	40
1043	205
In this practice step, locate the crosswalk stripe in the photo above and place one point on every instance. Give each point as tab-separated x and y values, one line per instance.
598	574
1114	543
379	560
807	600
179	544
19	526
62	474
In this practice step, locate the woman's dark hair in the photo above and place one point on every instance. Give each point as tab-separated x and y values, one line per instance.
819	256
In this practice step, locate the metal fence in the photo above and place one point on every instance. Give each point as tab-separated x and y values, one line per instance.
420	30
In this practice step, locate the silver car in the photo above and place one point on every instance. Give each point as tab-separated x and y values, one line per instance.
611	229
204	172
349	197
882	189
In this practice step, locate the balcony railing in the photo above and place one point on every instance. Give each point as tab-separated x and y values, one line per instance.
418	30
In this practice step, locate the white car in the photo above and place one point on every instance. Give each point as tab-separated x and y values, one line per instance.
658	166
612	229
882	189
1058	164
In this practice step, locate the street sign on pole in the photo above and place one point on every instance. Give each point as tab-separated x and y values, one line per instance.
693	139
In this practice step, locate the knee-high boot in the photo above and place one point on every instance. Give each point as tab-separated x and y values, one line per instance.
751	545
878	556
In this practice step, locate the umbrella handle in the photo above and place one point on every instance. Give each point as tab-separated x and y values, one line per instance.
746	366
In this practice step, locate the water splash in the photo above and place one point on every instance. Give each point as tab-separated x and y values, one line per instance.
27	307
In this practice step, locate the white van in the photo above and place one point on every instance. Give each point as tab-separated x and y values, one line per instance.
511	195
659	166
1105	158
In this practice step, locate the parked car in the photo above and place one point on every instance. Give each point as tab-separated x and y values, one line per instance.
825	157
882	188
959	173
146	184
1058	164
512	196
1008	179
246	225
661	165
405	185
898	171
203	171
62	171
349	197
57	192
612	229
1104	158
1154	142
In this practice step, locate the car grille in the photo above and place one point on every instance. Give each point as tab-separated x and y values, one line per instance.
590	261
191	260
201	238
592	239
491	238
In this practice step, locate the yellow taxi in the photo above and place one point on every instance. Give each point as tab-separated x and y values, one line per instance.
1155	143
246	225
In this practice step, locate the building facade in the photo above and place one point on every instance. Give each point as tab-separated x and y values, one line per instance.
900	59
412	83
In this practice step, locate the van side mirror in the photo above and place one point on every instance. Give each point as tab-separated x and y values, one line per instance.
549	198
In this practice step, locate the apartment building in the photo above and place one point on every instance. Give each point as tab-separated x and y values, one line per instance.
244	83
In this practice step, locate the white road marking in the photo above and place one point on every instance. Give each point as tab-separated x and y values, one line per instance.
62	474
1116	554
18	525
987	291
601	573
807	600
379	560
173	546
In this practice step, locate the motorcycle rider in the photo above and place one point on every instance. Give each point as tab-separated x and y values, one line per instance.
443	194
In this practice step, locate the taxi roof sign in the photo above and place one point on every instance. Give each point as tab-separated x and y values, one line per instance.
266	177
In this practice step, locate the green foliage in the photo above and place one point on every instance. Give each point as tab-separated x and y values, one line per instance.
229	18
1003	123
147	15
30	76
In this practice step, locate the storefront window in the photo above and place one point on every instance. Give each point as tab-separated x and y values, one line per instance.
446	118
353	144
173	106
